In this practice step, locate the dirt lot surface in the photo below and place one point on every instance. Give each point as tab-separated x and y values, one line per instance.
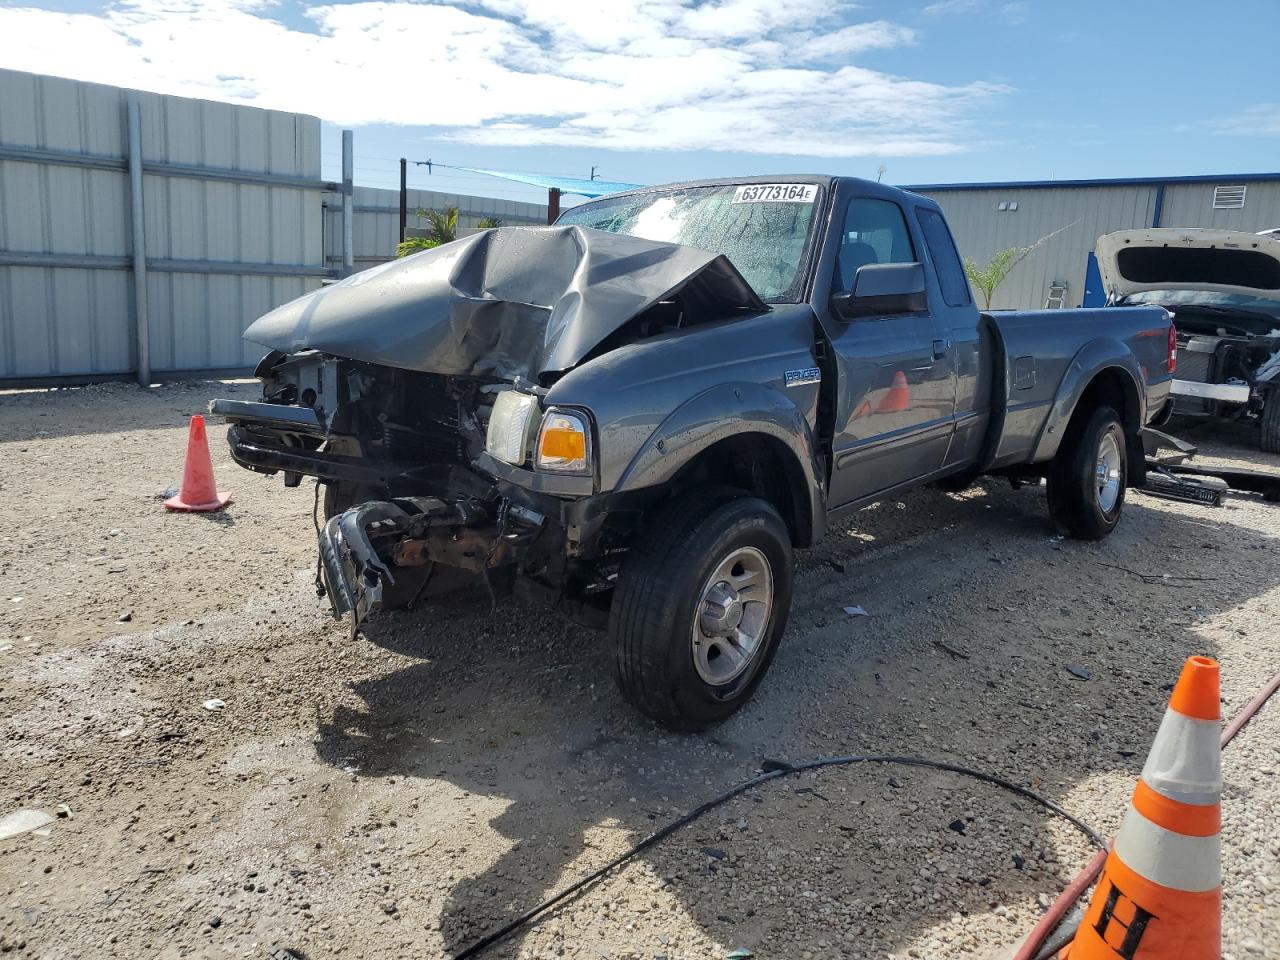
400	795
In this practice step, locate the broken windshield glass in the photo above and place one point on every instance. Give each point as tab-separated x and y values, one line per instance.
763	229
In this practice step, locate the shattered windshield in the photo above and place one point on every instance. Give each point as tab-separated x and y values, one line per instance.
762	228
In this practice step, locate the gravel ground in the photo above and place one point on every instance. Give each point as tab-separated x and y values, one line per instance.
400	795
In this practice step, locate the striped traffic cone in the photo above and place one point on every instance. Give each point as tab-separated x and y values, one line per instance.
1160	894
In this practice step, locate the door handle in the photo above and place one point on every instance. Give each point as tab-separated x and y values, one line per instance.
940	348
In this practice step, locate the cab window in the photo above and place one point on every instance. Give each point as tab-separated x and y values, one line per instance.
874	231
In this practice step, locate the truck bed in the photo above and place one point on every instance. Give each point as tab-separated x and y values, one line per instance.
1043	365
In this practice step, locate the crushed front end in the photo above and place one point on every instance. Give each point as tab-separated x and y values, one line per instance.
418	478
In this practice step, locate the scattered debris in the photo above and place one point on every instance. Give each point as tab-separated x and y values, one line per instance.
951	651
63	810
213	704
836	565
958	826
125	617
715	853
1079	672
856	612
742	953
22	821
126	733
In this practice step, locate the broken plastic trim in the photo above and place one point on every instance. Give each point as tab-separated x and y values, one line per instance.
352	570
414	531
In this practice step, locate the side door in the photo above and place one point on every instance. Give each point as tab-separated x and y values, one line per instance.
895	400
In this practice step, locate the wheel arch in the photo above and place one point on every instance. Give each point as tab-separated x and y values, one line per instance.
743	435
1104	372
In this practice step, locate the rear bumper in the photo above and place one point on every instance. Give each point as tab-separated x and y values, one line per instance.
1229	392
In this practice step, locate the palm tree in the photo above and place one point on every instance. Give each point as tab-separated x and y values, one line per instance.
442	228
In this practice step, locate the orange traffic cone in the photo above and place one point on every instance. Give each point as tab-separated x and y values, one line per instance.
1160	894
899	396
198	493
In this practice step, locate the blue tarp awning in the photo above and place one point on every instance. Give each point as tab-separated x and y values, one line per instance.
574	185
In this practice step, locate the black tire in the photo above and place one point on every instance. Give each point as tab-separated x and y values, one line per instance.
343	496
659	596
409	581
1271	421
1074	499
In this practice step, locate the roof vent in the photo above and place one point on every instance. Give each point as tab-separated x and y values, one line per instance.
1228	198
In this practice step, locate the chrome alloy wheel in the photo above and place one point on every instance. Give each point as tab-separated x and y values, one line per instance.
732	616
1107	473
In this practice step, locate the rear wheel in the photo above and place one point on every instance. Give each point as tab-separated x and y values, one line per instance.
701	604
1089	475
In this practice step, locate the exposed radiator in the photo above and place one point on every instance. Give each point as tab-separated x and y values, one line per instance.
1194	365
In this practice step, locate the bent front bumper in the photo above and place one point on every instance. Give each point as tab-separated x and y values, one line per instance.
361	548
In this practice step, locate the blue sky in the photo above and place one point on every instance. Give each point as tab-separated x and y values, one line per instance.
656	90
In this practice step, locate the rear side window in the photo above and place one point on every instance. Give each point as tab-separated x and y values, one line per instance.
951	278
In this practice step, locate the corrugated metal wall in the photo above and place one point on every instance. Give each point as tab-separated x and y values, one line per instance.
376	219
1191	205
232	198
981	228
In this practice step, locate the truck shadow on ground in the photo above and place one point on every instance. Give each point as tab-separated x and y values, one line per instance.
853	862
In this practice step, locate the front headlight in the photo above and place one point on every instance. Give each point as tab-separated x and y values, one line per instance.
564	443
511	426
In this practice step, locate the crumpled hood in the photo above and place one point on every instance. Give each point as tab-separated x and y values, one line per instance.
509	302
1189	258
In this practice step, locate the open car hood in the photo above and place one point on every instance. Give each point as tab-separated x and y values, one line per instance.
506	303
1187	258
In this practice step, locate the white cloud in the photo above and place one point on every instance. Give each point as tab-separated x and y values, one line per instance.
1260	120
735	75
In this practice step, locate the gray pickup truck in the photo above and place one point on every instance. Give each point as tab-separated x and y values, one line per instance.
645	408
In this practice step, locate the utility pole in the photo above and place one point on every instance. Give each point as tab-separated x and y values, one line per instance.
404	196
593	172
553	205
348	189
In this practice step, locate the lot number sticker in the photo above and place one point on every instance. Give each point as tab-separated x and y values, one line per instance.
776	193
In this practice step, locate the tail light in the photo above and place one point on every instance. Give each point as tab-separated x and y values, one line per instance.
1173	348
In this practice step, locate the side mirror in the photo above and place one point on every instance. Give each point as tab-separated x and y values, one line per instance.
880	289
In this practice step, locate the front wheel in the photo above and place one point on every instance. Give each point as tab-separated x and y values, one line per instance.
1089	475
701	604
1271	421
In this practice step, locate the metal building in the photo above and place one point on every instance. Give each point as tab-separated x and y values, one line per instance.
988	217
140	234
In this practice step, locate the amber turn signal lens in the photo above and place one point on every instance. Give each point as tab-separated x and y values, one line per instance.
564	445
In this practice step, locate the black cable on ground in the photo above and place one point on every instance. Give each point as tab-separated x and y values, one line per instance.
770	770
